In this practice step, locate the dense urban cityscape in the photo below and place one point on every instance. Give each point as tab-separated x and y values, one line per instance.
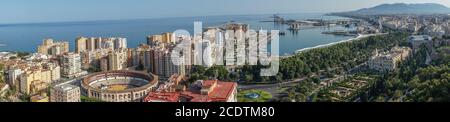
390	58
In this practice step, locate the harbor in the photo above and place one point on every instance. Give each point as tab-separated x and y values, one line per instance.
295	24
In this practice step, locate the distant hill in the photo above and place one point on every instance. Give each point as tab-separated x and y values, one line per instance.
401	8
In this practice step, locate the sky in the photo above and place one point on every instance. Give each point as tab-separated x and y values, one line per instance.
33	11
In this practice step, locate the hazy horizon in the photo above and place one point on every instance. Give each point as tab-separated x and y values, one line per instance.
25	11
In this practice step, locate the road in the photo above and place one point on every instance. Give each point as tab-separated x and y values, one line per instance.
262	86
271	88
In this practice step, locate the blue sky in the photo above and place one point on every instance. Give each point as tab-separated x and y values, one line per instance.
24	11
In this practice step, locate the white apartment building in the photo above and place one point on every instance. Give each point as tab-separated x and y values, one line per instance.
65	93
70	65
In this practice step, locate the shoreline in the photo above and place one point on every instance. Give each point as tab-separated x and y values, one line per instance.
360	36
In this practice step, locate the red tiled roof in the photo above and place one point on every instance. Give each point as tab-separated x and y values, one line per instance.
222	91
208	83
219	93
163	96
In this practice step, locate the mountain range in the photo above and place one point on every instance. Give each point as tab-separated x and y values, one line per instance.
401	8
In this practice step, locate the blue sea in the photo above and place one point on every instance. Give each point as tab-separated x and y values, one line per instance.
26	37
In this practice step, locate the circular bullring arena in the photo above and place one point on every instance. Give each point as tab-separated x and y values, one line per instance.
119	86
